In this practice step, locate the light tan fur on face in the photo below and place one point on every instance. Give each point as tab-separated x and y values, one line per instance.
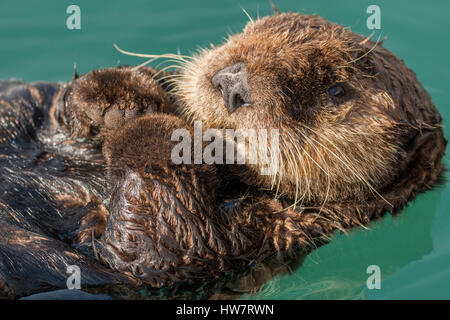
331	150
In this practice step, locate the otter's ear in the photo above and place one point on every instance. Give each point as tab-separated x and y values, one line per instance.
429	143
423	166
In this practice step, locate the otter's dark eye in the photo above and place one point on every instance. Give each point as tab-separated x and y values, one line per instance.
336	91
94	130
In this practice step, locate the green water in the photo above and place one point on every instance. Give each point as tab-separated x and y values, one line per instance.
412	250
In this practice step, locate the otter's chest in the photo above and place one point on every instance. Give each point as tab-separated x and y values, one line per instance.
42	172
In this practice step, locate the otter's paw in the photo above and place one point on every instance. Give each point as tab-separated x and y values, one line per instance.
144	141
106	99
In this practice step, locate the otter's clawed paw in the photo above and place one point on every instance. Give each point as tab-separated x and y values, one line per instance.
107	99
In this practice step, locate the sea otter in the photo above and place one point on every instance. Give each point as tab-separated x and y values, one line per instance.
88	179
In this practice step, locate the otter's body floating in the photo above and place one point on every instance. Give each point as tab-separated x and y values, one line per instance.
88	179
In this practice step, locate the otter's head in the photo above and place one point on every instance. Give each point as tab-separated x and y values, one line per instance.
350	114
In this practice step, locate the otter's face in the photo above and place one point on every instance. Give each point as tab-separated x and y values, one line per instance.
339	101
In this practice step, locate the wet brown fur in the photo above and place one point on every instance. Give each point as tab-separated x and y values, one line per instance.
332	148
363	155
344	161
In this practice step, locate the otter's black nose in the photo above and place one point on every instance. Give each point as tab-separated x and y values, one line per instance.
232	83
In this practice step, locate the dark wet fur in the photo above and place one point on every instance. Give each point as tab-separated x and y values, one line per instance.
51	185
81	187
35	169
